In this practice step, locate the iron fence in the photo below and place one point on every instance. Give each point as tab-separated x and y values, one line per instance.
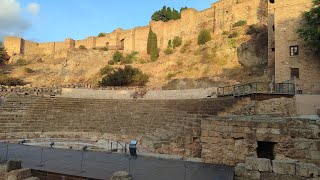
257	88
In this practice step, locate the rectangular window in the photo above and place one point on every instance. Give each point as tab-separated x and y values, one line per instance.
294	72
294	50
273	49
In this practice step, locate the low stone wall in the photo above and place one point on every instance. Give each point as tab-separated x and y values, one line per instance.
31	90
276	107
181	94
229	140
261	168
135	92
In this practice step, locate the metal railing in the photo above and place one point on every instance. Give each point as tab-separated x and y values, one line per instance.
257	88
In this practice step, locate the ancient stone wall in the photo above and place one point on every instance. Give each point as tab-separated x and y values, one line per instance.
230	140
31	47
262	168
13	45
221	16
288	19
277	106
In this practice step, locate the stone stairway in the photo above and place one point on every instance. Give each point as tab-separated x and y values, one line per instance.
157	124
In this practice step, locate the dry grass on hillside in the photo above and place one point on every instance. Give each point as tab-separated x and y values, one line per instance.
216	59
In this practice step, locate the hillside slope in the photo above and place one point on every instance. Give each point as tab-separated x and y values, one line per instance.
225	59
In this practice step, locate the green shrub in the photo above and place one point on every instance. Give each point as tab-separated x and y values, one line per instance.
233	35
233	43
21	62
129	58
82	47
104	49
101	34
10	81
185	46
29	70
204	37
170	43
106	70
240	23
168	51
177	41
128	76
94	48
117	56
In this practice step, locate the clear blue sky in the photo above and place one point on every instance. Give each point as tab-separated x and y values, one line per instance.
58	19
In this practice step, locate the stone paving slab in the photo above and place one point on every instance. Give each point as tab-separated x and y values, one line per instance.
102	165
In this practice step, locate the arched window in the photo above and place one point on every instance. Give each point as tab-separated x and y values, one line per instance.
271	1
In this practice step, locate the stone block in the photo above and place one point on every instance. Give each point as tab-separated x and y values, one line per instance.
258	164
284	167
315	155
308	170
240	170
254	175
13	165
20	174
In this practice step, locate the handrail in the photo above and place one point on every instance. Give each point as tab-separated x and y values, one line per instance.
257	87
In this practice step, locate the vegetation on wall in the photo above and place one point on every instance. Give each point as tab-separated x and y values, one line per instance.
177	41
240	23
167	14
152	45
204	37
128	76
82	47
310	31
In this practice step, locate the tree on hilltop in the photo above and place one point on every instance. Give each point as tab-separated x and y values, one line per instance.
310	31
101	34
167	14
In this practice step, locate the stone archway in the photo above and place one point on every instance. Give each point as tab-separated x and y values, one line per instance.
121	44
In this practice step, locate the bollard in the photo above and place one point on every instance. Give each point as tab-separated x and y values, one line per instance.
111	147
41	161
82	163
7	152
125	148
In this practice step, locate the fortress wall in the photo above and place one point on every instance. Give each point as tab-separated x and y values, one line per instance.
205	19
80	43
102	41
228	12
31	48
188	21
129	41
13	45
60	46
288	20
141	38
47	48
91	42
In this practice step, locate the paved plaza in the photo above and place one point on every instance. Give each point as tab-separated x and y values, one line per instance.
101	165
